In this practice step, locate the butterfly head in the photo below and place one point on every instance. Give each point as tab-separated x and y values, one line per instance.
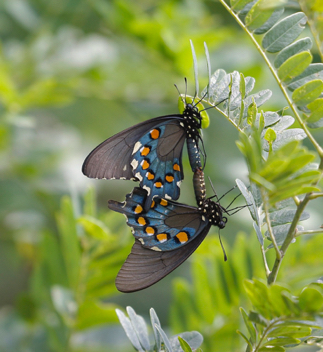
214	213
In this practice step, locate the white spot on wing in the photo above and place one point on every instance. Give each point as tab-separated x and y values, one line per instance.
179	183
147	189
167	196
132	230
141	240
139	177
124	168
134	164
122	178
136	147
156	249
203	217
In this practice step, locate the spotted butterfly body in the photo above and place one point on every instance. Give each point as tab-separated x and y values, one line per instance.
166	235
151	153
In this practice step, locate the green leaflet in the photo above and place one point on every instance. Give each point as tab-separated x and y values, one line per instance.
300	45
284	32
294	65
308	92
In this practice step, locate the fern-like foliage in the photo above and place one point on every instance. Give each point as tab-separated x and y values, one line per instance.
77	269
280	320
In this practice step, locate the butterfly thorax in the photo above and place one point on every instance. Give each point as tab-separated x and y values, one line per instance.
192	121
213	212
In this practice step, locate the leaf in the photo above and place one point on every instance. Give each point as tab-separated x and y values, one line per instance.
140	327
284	216
238	5
69	240
294	134
129	330
281	341
312	72
164	338
311	299
94	227
195	65
316	108
249	200
294	66
270	349
250	327
258	14
300	45
284	32
270	22
289	330
258	318
259	234
155	321
185	346
308	92
193	339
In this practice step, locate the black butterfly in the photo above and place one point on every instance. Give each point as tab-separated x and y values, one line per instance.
166	235
151	152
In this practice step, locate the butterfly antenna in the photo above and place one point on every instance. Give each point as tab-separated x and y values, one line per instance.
215	195
224	254
179	93
214	106
200	101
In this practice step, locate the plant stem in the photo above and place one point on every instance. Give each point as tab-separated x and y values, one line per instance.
289	238
274	73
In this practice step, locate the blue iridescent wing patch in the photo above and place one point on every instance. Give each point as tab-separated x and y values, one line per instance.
157	161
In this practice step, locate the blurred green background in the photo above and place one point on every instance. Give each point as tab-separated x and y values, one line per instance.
73	73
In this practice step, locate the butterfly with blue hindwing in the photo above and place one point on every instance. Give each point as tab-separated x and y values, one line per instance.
151	152
166	235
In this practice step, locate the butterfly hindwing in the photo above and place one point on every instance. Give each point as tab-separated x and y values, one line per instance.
145	267
165	226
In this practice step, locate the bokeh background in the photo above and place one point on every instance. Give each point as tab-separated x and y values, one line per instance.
73	73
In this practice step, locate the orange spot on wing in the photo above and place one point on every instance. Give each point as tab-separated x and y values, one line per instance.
169	178
145	164
141	221
138	209
158	184
154	134
182	237
152	204
150	175
162	237
150	230
145	151
176	167
163	202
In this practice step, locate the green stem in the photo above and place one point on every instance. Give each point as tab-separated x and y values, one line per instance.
289	238
308	232
274	73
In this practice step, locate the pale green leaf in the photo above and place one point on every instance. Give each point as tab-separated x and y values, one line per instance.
308	92
300	45
284	32
294	65
270	22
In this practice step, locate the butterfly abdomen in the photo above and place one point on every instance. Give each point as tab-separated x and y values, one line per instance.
199	187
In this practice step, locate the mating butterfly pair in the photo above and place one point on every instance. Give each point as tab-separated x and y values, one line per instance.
166	232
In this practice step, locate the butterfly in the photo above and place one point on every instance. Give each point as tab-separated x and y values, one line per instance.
151	152
166	235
